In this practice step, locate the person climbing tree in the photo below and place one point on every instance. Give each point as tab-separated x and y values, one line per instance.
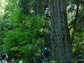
46	55
47	13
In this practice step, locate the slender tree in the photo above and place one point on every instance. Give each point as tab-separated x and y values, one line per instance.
60	38
24	5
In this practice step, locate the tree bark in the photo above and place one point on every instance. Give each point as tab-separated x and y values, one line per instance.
60	38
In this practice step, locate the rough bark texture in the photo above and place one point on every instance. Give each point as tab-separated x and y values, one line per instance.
60	39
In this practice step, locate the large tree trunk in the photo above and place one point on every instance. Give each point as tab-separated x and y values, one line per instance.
60	38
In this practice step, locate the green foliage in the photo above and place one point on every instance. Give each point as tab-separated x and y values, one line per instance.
23	36
26	39
77	29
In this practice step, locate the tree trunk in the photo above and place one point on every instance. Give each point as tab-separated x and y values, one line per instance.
60	38
24	5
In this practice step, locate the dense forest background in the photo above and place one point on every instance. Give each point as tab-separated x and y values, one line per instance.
25	31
